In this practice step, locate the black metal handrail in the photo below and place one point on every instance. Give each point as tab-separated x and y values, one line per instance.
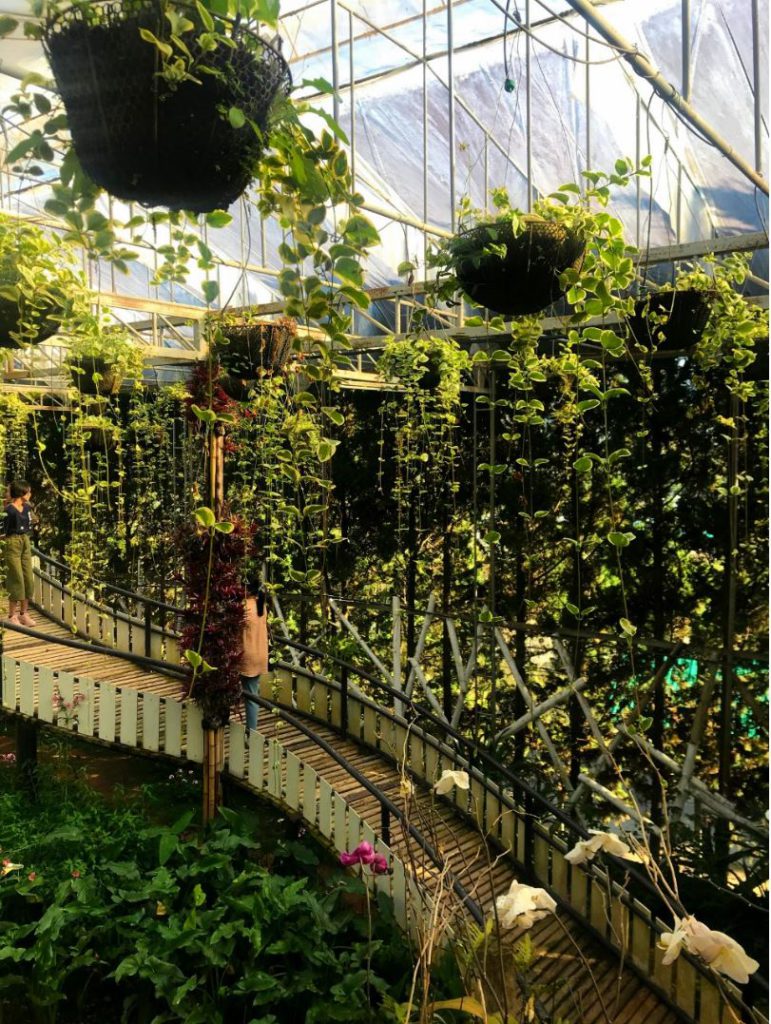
388	807
93	647
112	587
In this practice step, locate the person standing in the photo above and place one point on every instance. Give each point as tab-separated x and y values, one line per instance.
254	661
18	553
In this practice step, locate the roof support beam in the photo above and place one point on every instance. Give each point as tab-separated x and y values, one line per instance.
643	67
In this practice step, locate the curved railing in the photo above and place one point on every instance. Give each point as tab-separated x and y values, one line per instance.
516	817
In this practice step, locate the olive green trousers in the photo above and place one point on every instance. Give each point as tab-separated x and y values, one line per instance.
18	567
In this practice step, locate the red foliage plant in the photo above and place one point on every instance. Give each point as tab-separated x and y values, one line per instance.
215	622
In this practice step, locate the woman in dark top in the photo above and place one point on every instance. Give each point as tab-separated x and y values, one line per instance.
18	553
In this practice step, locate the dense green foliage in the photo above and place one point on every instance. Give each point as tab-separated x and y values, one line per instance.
107	915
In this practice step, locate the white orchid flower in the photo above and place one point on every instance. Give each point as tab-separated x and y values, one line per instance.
523	905
717	949
450	779
586	849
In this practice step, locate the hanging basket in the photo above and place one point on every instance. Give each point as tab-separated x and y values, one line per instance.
20	323
99	438
140	138
670	321
94	376
252	348
524	280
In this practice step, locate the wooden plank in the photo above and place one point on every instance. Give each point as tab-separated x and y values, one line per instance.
559	874
193	732
493	812
383	882
172	653
369	733
89	690
354	829
46	680
107	712
81	617
711	1002
27	688
540	858
339	822
256	769
508	829
354	717
151	721
293	768
122	635
68	609
416	755
325	808
275	759
477	805
129	710
156	644
685	986
664	976
10	669
399	892
172	742
304	694
237	749
309	797
641	938
65	719
599	910
334	708
432	764
282	687
578	888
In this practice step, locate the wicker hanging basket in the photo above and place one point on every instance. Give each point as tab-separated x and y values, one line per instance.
671	320
94	376
524	280
251	348
143	140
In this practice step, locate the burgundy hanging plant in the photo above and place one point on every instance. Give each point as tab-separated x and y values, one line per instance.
215	615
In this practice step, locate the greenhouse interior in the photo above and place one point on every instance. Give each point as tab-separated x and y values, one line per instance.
384	435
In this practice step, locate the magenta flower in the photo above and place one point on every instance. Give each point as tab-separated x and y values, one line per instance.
379	865
364	854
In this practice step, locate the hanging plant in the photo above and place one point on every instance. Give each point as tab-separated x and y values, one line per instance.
39	287
214	553
512	265
100	357
671	319
167	104
247	347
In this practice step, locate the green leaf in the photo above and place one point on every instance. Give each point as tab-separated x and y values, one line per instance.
166	847
236	117
194	658
626	627
7	25
210	290
334	414
205	517
224	527
618	540
582	465
218	219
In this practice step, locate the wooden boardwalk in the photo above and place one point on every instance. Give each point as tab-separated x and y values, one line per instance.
576	976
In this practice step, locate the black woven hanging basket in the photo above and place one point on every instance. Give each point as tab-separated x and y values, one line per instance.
670	321
251	349
141	139
524	280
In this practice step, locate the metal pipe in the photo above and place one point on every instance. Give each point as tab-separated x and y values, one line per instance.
643	67
528	108
685	32
756	92
588	93
425	131
451	111
352	91
335	67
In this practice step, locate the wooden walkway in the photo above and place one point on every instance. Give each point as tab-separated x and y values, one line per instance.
292	769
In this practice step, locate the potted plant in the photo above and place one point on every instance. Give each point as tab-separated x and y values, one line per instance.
167	103
38	286
99	433
101	357
247	347
671	319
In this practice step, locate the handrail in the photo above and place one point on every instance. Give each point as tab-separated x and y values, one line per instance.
757	984
92	647
161	605
386	804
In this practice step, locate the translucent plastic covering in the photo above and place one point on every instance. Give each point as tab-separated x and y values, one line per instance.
440	103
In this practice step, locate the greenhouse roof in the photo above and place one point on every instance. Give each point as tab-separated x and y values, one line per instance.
450	101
